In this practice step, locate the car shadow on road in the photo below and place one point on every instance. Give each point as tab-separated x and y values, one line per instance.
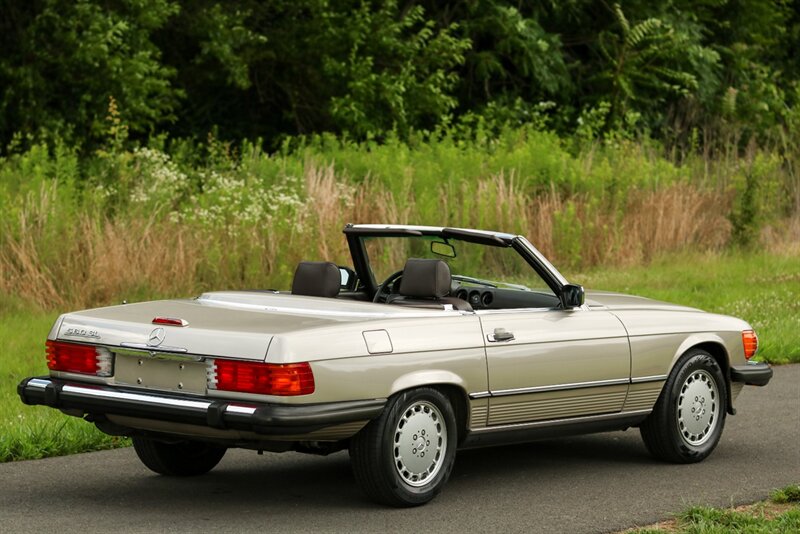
246	481
615	448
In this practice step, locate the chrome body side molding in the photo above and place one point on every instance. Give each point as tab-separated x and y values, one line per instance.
643	379
523	432
560	387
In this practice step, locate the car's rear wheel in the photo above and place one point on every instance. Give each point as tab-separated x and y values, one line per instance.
688	418
182	458
404	457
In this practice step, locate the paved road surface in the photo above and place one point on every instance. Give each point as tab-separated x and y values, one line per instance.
592	483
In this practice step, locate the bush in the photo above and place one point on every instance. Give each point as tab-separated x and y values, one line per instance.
236	217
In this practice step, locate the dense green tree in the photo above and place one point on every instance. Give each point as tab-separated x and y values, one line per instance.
511	54
63	61
301	66
250	68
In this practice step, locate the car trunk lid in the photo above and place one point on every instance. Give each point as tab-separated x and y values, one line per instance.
231	324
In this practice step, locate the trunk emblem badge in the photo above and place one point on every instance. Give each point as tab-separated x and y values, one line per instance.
156	337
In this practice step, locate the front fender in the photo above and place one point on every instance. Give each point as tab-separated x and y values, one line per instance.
719	351
699	339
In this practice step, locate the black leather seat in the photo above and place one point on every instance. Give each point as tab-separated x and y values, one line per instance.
426	284
316	279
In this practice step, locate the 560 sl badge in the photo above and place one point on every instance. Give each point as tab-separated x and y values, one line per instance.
82	332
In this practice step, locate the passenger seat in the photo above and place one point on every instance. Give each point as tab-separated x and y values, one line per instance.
316	279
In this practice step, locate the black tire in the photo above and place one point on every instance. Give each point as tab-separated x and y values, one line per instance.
689	416
409	422
183	458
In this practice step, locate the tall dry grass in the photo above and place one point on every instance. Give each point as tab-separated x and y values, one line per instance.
649	223
101	259
100	262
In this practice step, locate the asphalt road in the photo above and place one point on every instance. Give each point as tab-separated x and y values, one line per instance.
596	483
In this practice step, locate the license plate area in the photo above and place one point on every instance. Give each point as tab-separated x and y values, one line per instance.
145	371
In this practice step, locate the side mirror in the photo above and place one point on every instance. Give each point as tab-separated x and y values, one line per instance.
572	296
348	279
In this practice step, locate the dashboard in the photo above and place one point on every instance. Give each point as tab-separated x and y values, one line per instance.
492	298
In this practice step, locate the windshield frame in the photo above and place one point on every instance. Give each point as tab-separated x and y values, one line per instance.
356	233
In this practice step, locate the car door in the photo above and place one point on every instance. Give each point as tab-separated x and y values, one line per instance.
554	364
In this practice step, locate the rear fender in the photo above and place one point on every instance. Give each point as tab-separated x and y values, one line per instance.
426	377
448	383
56	327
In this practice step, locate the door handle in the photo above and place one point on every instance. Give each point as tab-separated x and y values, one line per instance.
499	335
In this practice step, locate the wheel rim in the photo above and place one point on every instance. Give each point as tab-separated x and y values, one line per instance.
420	443
698	408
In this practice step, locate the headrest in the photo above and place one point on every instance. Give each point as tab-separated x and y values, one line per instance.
316	279
425	279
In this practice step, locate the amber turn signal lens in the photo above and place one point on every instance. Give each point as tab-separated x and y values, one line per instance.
750	343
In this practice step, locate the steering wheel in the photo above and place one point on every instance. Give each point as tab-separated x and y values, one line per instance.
385	289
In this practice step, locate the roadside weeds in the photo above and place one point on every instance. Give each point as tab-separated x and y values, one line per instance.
781	513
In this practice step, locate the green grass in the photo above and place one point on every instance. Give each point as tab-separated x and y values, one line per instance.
778	515
705	520
28	432
789	494
761	288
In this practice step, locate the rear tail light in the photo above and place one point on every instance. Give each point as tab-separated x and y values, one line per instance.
76	358
170	321
750	343
261	378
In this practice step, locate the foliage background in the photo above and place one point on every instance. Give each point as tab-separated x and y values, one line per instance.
687	72
237	137
159	148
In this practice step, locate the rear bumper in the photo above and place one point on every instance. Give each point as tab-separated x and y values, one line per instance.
261	418
752	374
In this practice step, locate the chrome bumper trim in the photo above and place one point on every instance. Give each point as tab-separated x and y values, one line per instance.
151	400
262	418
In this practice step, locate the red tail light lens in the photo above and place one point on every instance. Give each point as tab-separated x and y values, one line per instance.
263	378
75	358
750	343
169	321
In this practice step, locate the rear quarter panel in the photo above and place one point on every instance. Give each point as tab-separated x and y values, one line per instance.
445	349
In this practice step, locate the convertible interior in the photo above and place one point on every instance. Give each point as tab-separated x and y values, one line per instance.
422	283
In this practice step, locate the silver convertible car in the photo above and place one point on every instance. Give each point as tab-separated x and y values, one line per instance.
434	340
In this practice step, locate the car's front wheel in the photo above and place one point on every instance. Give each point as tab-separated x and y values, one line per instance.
404	457
182	458
688	418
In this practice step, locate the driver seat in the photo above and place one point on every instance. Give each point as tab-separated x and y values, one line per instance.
426	284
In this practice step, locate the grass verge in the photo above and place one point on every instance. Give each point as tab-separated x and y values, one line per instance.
760	288
781	513
28	432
